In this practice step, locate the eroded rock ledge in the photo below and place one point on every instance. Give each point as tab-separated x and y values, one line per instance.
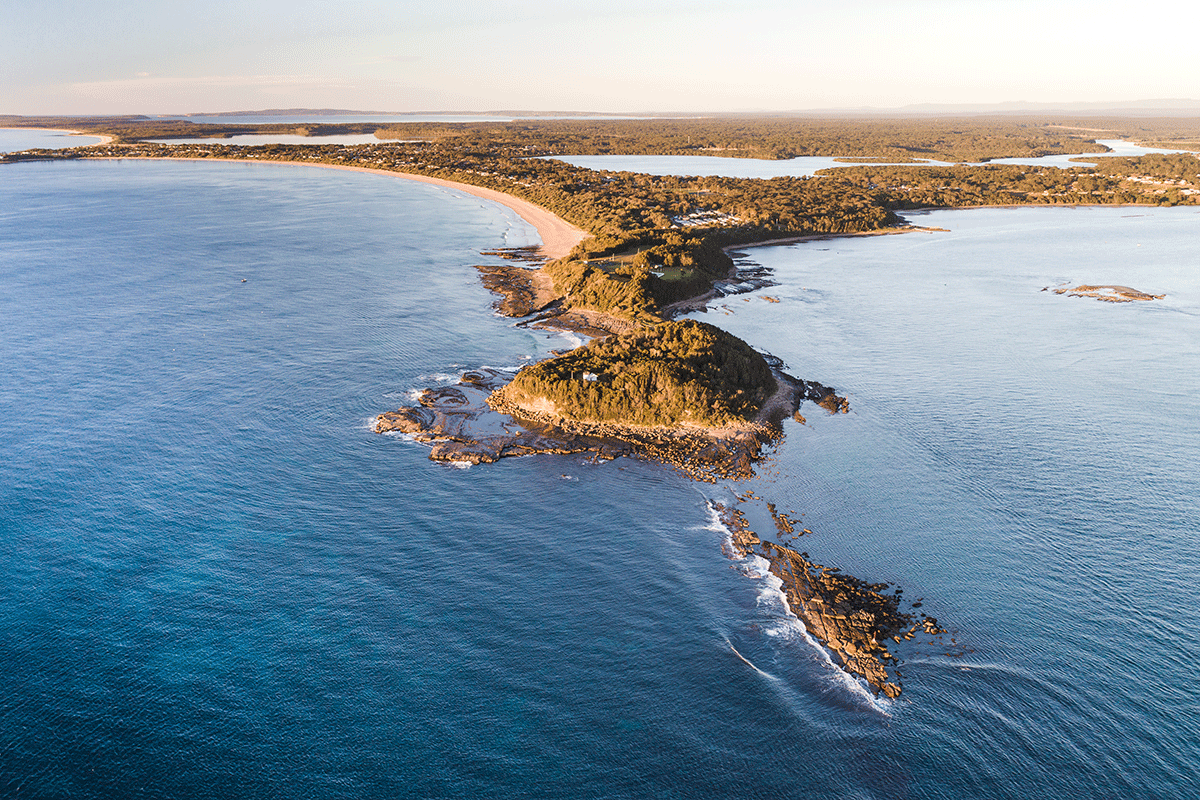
855	620
1109	293
465	423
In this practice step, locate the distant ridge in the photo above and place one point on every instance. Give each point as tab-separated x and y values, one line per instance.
1164	107
1141	108
1022	106
290	112
346	112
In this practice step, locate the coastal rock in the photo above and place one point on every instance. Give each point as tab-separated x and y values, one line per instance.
1108	293
849	616
470	422
521	289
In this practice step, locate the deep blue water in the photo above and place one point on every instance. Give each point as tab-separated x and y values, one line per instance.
218	582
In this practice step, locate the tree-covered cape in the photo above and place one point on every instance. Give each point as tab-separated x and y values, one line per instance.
675	373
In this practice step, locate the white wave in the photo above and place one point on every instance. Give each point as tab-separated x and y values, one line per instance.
786	625
460	464
790	627
406	437
572	339
503	369
440	377
717	526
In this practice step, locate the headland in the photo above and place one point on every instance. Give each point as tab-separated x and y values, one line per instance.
657	246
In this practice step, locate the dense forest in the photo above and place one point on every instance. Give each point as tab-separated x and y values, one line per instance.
685	372
659	239
950	139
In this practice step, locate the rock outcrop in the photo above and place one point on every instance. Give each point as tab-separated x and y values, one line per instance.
1109	293
852	618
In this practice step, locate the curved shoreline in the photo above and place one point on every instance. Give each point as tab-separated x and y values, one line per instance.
103	137
558	236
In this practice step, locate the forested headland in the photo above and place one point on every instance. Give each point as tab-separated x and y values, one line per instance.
656	240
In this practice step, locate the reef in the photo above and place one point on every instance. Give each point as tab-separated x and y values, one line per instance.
858	622
1108	293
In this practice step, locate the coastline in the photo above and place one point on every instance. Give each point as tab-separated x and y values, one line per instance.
442	419
558	236
104	138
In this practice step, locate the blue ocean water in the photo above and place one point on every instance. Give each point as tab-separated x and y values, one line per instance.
14	139
217	581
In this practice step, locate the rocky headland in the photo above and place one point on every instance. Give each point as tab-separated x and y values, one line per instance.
681	393
483	418
685	394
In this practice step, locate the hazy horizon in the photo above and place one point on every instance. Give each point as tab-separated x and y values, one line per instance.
620	57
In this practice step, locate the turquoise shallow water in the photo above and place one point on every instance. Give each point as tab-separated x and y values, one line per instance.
218	581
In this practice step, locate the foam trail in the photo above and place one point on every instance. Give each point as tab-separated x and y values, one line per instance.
790	626
749	662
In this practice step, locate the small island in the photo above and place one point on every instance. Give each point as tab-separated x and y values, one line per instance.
686	373
1108	293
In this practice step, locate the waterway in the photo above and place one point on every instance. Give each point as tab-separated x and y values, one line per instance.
14	139
217	581
810	165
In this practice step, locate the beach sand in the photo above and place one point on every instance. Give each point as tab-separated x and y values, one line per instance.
558	236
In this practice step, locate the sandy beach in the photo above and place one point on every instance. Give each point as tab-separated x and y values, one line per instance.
558	236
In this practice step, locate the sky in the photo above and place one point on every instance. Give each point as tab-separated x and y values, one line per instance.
63	57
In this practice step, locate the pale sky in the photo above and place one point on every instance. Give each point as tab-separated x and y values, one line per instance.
170	57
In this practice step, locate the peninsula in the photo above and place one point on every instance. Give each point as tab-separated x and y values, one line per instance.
624	253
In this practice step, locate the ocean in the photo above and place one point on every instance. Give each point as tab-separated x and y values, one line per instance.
218	581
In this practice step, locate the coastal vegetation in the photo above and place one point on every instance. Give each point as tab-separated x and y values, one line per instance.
658	240
675	373
661	387
941	138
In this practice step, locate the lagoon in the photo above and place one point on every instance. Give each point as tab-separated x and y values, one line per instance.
803	166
